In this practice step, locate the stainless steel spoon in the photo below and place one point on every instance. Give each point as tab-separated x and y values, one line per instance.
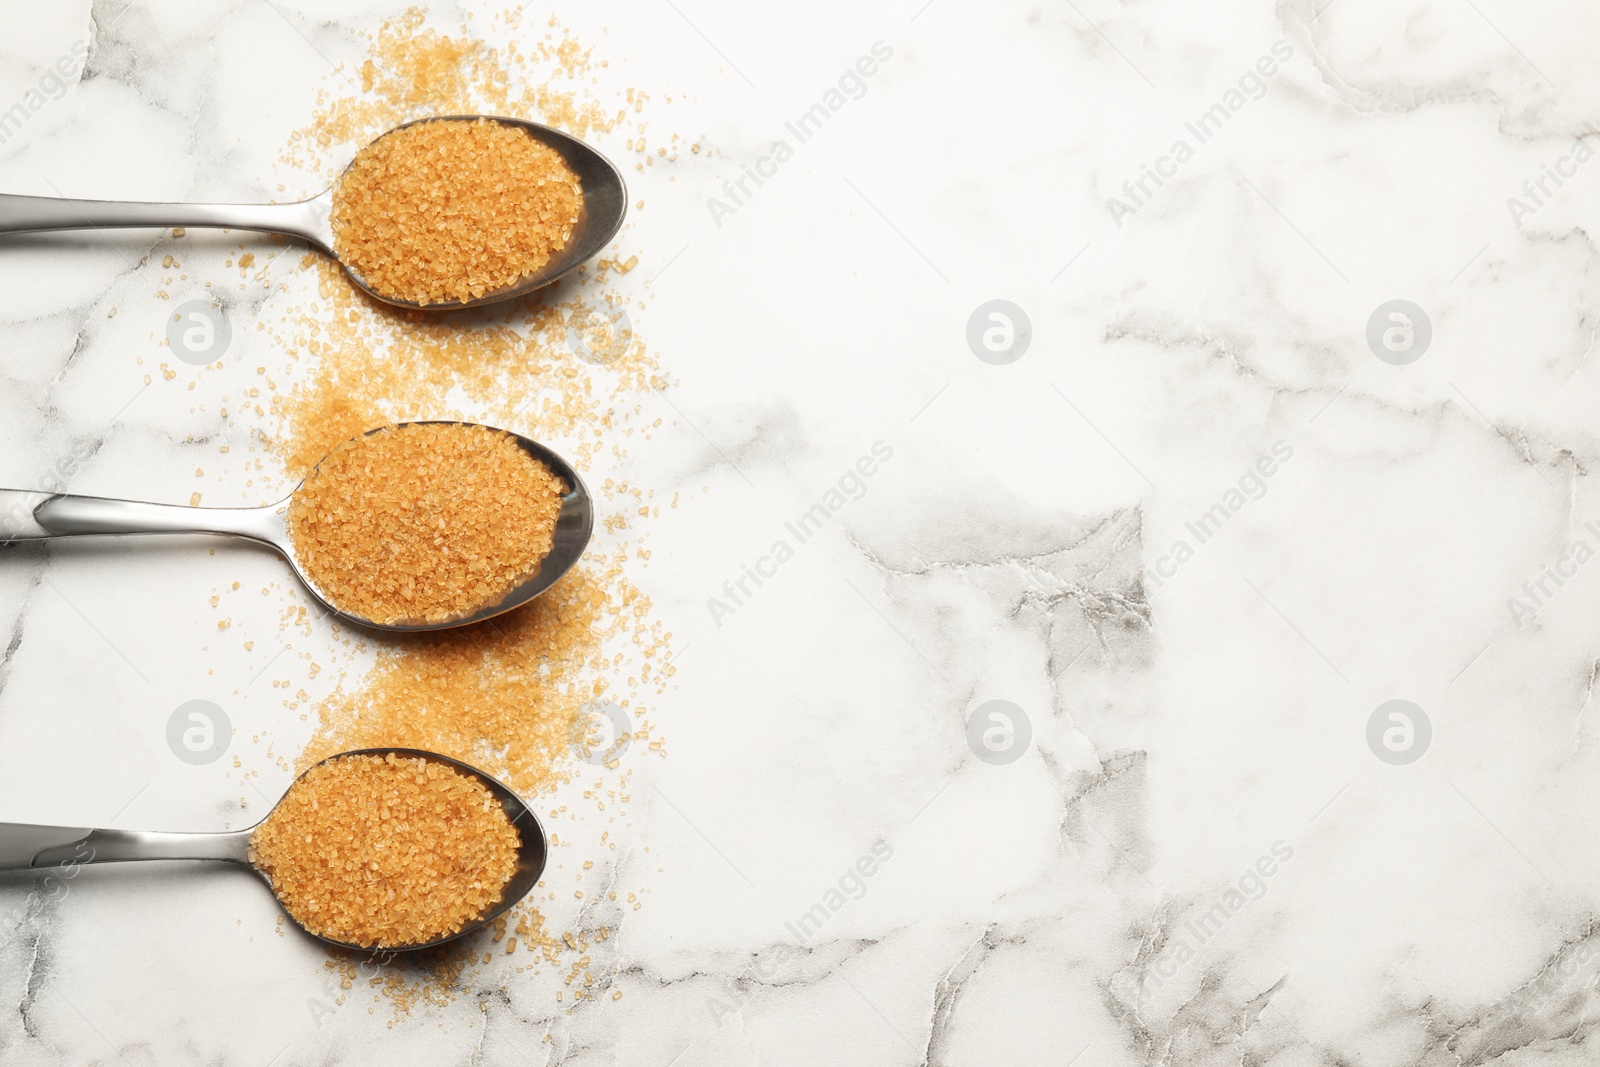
27	847
28	516
605	203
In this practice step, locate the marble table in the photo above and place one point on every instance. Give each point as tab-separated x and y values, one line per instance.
1172	420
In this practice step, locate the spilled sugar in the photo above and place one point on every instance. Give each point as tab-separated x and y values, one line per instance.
358	364
505	696
515	696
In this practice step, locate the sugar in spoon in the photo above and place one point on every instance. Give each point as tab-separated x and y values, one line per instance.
605	203
28	847
31	516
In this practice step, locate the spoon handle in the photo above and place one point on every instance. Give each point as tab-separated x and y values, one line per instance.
28	214
34	516
27	847
21	843
16	515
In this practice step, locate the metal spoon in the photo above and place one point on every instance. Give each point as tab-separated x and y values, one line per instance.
29	516
27	847
605	203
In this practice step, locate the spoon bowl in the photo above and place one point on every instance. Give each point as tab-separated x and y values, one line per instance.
605	205
65	848
33	516
532	852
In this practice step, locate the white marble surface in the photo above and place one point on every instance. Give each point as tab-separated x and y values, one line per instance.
1186	725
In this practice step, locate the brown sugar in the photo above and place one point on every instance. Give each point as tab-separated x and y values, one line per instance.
510	696
424	522
386	851
446	211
